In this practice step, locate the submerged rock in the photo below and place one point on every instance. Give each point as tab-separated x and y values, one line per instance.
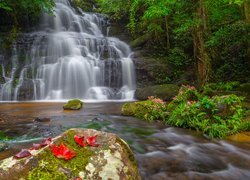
112	159
43	119
74	104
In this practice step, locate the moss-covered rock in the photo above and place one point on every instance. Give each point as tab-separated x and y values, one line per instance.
149	110
74	104
112	159
129	109
165	92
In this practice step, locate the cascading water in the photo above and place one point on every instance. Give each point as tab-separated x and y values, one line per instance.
69	57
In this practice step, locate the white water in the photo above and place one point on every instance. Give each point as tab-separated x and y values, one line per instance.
70	57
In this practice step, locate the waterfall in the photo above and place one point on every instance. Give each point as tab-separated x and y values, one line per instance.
69	56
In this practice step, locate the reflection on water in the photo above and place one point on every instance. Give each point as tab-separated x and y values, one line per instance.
162	152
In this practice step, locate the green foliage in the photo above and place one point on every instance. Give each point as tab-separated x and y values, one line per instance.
30	6
116	9
5	6
221	86
3	136
85	5
149	110
14	12
216	116
172	25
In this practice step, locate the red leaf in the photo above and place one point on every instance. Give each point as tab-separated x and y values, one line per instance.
79	140
91	140
62	152
46	141
23	153
36	146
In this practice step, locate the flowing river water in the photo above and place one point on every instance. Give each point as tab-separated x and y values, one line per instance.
162	152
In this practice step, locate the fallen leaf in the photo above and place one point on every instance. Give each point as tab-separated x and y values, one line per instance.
91	140
45	142
79	140
36	146
62	152
23	153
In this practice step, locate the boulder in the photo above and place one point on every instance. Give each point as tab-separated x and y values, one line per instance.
112	159
165	92
74	104
150	70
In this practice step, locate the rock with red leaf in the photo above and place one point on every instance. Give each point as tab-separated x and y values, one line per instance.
76	154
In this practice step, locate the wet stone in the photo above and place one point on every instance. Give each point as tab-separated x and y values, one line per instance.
43	119
112	159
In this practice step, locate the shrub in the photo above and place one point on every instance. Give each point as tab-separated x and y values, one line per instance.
151	109
216	116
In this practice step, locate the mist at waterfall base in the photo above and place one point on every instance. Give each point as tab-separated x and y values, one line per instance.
68	57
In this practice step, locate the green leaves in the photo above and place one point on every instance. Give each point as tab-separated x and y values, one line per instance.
216	116
20	8
5	6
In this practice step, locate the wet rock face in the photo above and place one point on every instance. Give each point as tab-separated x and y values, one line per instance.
164	91
112	159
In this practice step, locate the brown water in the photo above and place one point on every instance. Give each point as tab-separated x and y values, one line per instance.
162	152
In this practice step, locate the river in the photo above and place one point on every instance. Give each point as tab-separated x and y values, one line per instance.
162	152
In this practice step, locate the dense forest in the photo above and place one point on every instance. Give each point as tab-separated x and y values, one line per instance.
210	36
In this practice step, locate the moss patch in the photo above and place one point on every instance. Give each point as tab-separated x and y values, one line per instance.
74	104
51	167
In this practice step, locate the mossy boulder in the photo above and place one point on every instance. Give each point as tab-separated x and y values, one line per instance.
129	109
74	104
165	92
112	159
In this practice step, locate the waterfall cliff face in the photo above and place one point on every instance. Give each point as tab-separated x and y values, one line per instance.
68	57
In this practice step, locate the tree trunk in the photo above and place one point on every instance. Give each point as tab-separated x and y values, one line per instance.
246	10
200	53
167	33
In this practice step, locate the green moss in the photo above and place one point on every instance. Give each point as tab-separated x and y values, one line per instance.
128	152
128	109
74	104
51	167
147	110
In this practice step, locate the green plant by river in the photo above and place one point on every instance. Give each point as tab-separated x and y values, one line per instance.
215	116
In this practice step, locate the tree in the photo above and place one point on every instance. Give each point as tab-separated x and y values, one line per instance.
203	61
